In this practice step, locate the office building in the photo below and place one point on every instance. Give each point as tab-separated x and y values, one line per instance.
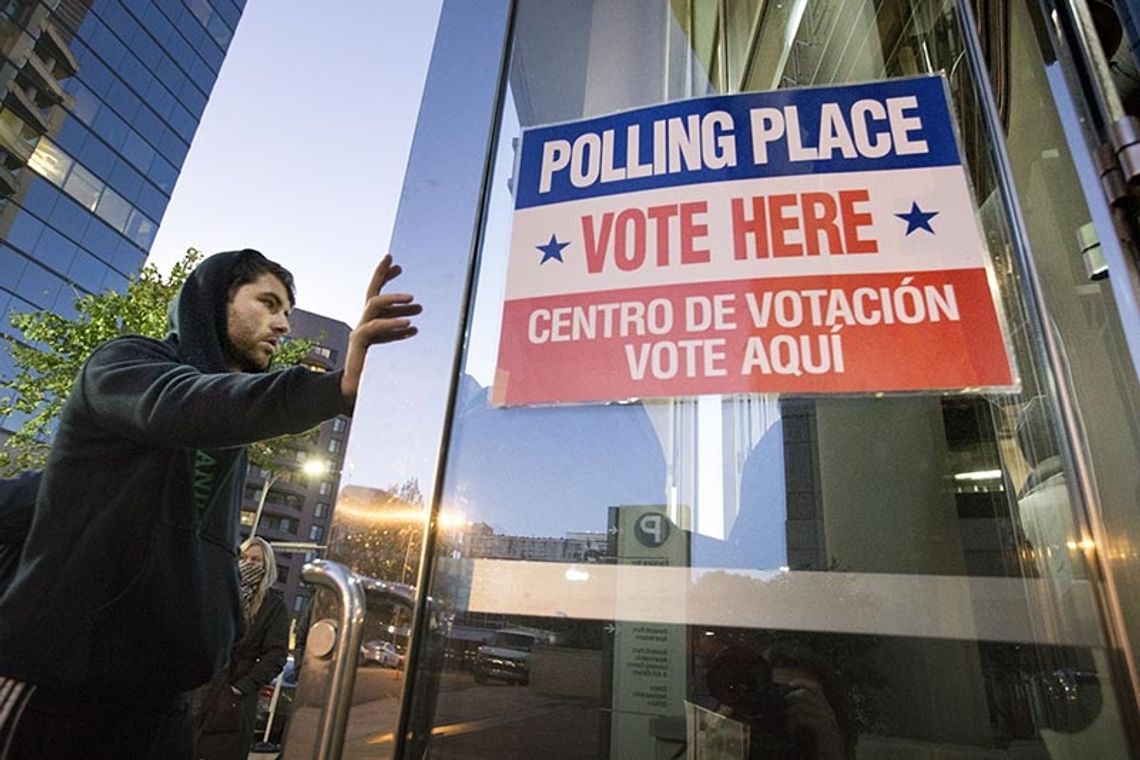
101	100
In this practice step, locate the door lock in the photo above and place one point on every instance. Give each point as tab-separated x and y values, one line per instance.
322	638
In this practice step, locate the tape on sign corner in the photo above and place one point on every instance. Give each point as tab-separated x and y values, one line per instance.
499	388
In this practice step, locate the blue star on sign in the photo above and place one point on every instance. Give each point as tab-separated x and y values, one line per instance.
552	250
917	219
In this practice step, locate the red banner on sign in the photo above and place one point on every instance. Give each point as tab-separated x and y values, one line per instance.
850	333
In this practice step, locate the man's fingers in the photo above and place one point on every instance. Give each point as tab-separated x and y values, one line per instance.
379	276
386	318
385	330
390	305
394	271
385	272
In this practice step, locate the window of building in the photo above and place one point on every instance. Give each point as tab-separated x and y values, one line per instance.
293	501
84	187
326	487
339	425
50	162
334	445
246	517
114	209
300	602
62	170
320	509
316	533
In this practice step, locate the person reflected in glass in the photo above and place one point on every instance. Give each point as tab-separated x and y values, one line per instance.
788	696
226	719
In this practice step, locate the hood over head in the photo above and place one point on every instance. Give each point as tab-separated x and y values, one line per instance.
197	314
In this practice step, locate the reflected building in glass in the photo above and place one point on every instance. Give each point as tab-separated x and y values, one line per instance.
101	99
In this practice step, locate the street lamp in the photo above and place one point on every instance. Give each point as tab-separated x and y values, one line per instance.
309	467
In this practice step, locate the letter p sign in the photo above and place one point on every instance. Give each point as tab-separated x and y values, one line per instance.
652	529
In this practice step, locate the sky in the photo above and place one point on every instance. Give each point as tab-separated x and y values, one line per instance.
302	148
301	153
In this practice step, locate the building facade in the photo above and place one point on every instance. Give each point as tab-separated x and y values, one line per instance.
943	572
296	506
101	100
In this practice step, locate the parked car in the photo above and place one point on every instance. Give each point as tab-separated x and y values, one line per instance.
380	652
506	657
288	678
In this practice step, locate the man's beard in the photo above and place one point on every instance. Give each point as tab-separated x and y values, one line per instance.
244	361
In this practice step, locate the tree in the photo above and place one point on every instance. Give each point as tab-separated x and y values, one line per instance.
50	349
380	531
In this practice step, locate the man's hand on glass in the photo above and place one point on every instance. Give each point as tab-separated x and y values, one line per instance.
386	318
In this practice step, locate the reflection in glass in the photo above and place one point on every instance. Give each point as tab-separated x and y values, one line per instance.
50	162
791	577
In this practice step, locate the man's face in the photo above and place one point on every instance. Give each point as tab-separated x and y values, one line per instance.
256	319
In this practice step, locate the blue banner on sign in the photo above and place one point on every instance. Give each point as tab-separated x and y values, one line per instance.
897	124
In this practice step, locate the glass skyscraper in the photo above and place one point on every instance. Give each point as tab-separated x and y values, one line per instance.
101	99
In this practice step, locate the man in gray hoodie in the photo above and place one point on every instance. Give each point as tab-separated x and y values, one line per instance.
126	596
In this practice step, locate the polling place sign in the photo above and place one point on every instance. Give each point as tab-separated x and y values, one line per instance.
817	240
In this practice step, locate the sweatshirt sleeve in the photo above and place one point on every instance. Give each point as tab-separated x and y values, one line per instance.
17	506
138	389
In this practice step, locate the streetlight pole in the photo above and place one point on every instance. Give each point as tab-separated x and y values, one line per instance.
269	481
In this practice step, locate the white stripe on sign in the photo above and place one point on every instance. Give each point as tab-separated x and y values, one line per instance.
1025	610
618	242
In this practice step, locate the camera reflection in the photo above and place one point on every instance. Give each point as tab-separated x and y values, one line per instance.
779	700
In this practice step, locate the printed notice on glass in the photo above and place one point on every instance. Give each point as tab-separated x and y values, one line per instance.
819	240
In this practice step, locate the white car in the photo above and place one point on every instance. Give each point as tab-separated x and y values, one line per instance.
379	652
506	657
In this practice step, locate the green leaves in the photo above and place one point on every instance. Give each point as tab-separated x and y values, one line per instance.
48	351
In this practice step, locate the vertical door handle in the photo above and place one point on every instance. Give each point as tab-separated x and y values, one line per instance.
350	596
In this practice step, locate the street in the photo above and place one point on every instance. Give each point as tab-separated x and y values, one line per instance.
472	721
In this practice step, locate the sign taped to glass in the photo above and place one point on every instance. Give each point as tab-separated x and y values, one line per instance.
818	240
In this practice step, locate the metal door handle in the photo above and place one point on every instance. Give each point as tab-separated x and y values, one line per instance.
350	595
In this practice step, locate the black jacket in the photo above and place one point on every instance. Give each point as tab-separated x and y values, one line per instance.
261	651
224	730
127	587
17	505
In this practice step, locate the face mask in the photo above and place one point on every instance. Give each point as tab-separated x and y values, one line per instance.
251	574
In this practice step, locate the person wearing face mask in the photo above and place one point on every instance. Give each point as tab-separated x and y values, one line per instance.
224	724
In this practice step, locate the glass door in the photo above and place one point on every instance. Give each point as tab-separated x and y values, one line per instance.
873	576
